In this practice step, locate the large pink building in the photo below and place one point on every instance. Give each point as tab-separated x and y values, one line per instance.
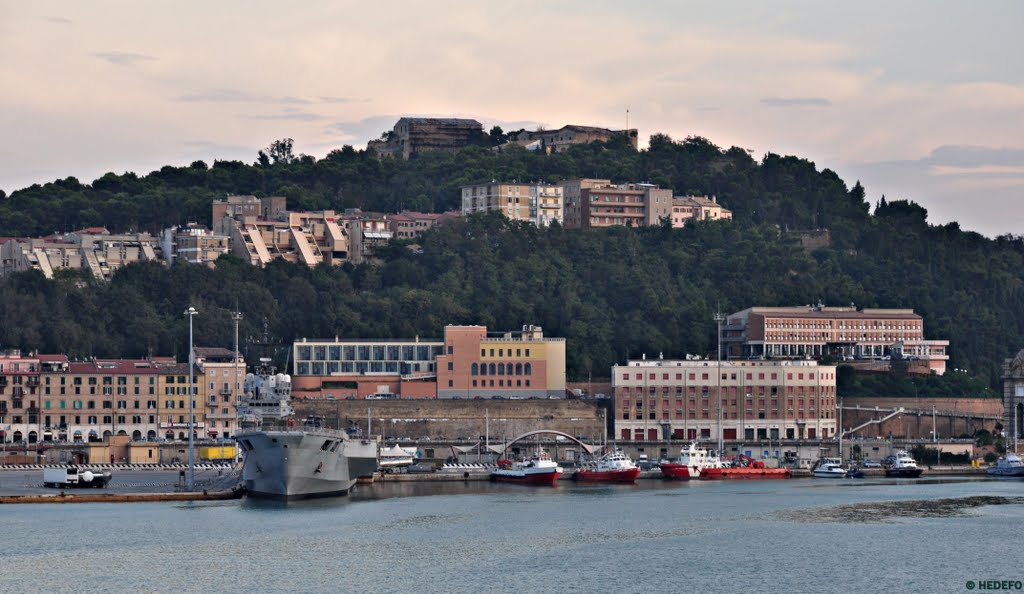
655	400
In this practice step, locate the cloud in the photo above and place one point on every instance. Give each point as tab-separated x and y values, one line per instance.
796	102
288	115
123	58
238	96
58	20
336	100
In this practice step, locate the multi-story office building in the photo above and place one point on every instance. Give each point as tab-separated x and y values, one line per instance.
467	363
843	333
510	364
655	400
697	208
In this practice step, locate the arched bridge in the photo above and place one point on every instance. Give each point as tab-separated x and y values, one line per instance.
590	449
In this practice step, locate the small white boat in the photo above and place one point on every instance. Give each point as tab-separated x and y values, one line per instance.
830	468
1008	465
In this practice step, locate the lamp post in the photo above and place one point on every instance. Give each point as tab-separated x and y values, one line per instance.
718	317
190	312
237	317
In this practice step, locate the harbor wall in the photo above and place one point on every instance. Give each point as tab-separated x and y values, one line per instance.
953	416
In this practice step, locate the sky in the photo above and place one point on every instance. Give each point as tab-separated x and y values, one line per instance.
919	100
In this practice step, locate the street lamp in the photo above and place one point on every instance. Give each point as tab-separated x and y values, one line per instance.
718	317
190	312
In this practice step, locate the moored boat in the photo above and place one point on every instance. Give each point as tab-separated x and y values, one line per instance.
1007	466
692	461
903	466
746	467
538	470
829	468
614	467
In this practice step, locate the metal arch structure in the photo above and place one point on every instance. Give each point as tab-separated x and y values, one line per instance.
590	449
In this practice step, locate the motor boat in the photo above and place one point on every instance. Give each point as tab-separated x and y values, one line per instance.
692	461
829	468
903	466
1009	465
614	467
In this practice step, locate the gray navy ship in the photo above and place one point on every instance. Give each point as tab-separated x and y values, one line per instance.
287	462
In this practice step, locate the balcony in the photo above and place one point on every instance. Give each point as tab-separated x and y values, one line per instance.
32	381
3	380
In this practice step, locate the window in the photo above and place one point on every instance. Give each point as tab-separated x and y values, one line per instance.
451	366
474	369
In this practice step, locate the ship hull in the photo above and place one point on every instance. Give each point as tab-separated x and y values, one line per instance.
608	476
678	471
903	472
526	478
292	465
745	473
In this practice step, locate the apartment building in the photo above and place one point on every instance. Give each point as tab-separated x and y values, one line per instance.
94	249
467	363
194	244
759	400
540	204
172	383
636	205
697	208
308	238
225	213
224	376
411	225
843	333
20	397
416	135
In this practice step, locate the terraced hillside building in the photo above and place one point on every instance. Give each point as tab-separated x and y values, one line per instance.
94	249
760	400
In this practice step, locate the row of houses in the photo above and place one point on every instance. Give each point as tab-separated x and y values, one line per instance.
757	391
590	204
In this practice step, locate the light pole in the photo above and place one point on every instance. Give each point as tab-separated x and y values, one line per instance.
718	317
190	312
237	317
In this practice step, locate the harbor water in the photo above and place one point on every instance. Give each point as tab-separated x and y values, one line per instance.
806	535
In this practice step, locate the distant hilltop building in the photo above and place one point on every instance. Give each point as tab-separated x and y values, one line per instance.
95	249
557	141
861	336
416	135
597	203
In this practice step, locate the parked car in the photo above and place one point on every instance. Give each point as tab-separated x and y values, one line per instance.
871	463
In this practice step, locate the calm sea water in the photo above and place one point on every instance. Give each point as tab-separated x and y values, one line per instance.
732	536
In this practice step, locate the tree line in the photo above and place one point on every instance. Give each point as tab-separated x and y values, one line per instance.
614	294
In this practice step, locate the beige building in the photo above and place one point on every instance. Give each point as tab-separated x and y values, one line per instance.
540	204
309	238
410	225
237	208
558	141
593	204
843	333
94	249
697	208
656	400
224	376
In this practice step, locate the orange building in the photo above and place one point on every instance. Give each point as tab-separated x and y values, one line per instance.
466	364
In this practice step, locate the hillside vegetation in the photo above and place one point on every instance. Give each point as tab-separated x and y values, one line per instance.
613	294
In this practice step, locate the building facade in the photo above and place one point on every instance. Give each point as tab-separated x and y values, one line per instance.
467	363
415	135
655	400
697	208
572	191
630	205
540	204
224	377
94	249
1013	397
558	141
194	244
843	333
521	364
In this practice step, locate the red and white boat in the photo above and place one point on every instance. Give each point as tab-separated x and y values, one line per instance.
746	467
538	470
691	463
614	467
